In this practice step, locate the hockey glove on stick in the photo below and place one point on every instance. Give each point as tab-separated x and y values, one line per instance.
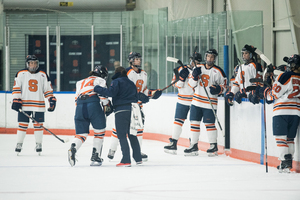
156	94
183	74
215	89
229	98
52	102
143	98
239	95
17	104
196	73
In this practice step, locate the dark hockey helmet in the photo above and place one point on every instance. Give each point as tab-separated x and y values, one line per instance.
32	59
282	68
293	61
250	49
198	57
132	56
213	52
100	71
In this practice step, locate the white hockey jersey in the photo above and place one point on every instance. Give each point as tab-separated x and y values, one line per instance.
185	92
213	76
242	79
86	87
32	89
286	93
139	79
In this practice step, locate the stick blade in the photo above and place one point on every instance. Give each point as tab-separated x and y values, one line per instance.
171	59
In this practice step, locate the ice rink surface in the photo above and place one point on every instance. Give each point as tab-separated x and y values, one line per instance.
163	177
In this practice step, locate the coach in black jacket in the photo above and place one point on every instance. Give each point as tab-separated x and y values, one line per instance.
123	93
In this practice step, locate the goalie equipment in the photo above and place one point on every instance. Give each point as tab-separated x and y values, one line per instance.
213	150
286	165
192	150
229	98
96	160
71	155
32	63
143	98
155	94
171	147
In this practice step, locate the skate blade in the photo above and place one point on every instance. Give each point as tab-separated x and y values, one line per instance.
72	162
191	154
212	154
286	170
173	152
94	163
144	159
39	153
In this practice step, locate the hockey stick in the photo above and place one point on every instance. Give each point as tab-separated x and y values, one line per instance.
62	140
207	94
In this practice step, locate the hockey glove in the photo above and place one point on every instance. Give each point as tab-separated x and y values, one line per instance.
17	104
229	98
156	94
108	108
143	98
215	89
253	97
239	95
196	73
183	74
270	68
52	102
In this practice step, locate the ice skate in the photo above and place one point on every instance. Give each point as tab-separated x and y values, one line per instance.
38	148
111	154
192	150
18	148
96	160
286	165
171	148
213	150
144	157
71	155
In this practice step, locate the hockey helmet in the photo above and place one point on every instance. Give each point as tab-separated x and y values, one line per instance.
198	57
213	52
250	49
100	71
32	59
293	61
132	56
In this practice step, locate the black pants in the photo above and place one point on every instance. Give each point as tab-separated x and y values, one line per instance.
122	122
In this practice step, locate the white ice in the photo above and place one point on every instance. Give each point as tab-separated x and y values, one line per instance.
163	177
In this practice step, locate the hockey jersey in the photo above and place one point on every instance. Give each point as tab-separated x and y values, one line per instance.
139	79
185	92
212	76
286	93
86	87
242	79
32	89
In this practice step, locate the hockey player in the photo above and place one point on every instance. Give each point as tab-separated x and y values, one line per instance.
139	78
285	93
215	81
123	93
31	86
246	71
89	111
185	96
